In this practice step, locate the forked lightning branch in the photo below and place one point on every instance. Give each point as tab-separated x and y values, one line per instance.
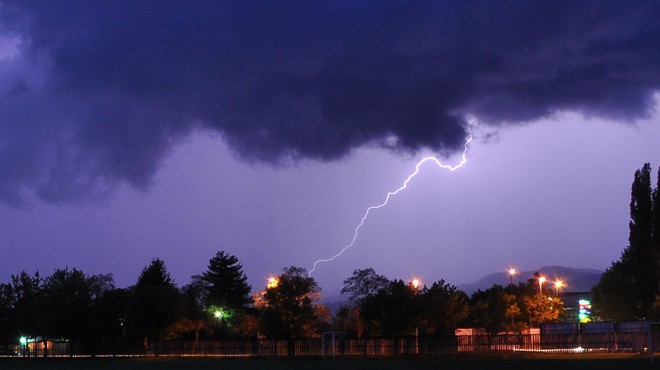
400	189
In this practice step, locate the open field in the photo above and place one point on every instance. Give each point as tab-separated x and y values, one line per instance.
501	362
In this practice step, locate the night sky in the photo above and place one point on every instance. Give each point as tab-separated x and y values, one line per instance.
175	129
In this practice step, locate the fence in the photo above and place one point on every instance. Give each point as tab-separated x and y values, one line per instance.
365	347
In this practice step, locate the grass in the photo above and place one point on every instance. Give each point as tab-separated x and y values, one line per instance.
489	362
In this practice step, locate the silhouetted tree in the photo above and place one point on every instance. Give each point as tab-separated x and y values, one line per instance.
288	306
109	314
154	304
348	319
392	311
443	307
225	283
655	310
363	284
393	308
488	308
27	308
68	302
615	295
7	325
224	291
641	251
630	288
656	220
194	321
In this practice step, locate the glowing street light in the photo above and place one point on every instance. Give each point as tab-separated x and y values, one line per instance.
272	282
23	341
541	281
219	313
415	284
218	316
512	272
558	285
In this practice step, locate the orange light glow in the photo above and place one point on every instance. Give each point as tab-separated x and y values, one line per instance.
541	281
415	283
272	282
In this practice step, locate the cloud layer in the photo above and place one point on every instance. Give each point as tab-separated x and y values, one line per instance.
95	93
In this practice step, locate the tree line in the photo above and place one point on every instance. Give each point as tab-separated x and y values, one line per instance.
218	303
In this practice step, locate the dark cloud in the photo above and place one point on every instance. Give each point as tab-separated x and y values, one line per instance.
102	89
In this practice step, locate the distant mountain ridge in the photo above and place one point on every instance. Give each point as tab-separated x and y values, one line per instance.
574	279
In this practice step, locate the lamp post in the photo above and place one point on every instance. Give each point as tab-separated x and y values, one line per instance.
415	283
23	342
541	281
512	272
558	285
219	315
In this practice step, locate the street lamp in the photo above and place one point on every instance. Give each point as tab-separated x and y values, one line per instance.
415	284
219	315
23	341
272	282
511	273
541	281
558	285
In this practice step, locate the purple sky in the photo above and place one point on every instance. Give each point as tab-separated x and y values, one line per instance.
133	132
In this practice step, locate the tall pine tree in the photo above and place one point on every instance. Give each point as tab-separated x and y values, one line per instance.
225	283
640	255
656	246
154	303
656	218
630	287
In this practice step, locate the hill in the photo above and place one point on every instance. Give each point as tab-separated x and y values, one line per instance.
575	279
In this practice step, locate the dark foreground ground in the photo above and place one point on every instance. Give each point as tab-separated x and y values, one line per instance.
508	362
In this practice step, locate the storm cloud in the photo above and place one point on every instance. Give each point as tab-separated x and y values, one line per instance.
95	93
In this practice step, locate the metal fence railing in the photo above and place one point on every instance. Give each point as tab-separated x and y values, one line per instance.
341	346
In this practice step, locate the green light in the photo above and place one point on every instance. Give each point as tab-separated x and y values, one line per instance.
23	341
219	313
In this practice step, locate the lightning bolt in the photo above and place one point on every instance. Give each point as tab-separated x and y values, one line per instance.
397	191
